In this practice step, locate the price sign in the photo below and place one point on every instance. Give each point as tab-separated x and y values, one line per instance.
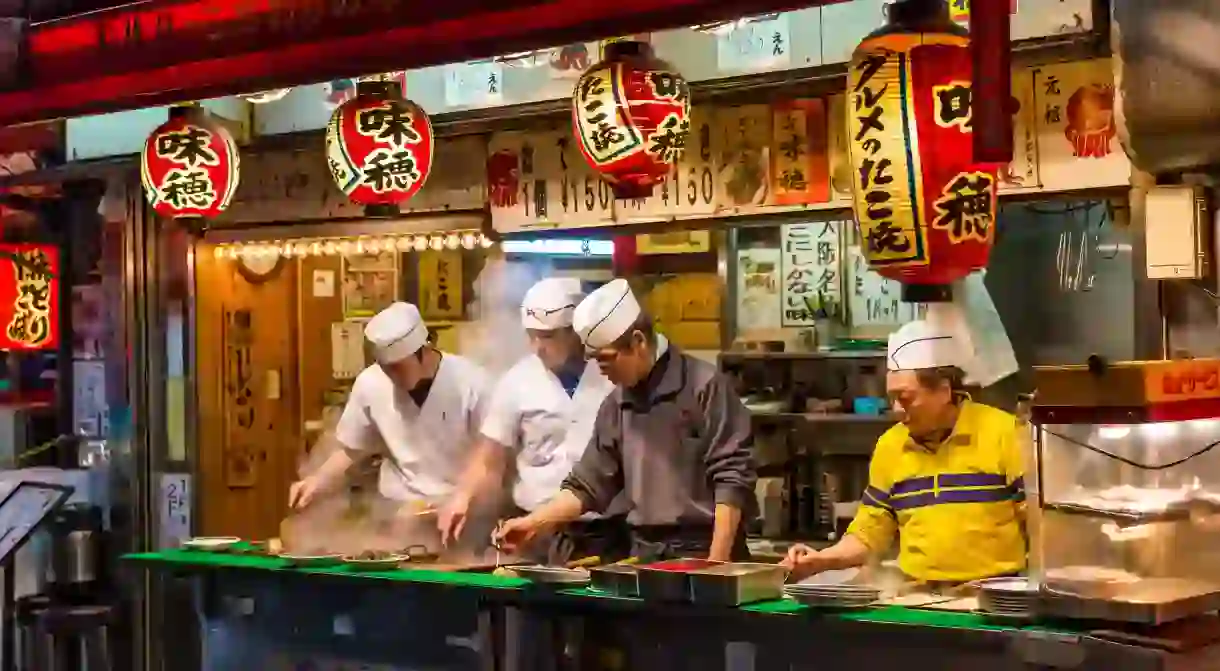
525	179
755	45
691	187
1170	381
874	300
474	84
585	199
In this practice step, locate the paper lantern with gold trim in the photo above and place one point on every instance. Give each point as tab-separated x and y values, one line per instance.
925	210
379	147
631	117
190	167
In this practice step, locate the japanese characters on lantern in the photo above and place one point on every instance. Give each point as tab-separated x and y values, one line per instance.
379	148
631	114
190	166
926	211
29	297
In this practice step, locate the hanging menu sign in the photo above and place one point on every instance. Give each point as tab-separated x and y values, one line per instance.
812	286
540	180
474	84
759	44
873	300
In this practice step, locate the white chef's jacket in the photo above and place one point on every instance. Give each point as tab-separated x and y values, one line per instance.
429	446
531	413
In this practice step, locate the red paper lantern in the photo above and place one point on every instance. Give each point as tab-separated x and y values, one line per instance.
379	147
631	113
925	210
190	166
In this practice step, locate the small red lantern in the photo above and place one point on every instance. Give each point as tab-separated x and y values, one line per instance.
926	211
379	147
631	113
190	166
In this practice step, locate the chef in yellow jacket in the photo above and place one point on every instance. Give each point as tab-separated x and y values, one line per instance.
947	481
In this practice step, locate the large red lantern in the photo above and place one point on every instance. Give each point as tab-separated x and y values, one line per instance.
631	113
926	211
379	147
190	166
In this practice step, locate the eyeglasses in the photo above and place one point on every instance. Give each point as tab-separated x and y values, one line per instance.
538	313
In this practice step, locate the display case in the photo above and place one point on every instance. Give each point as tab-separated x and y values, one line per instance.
1124	489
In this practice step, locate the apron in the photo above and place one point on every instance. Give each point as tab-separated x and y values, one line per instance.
607	538
658	543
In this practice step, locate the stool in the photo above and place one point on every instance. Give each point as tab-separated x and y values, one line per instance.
74	638
26	611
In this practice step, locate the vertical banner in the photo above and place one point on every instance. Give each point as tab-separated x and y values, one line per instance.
812	284
800	165
29	297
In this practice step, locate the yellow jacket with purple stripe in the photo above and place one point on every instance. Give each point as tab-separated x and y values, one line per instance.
956	507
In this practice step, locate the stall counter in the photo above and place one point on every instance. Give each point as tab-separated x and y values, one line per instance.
257	612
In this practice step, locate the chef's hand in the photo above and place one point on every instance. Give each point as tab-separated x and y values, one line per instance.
514	534
452	518
303	492
802	561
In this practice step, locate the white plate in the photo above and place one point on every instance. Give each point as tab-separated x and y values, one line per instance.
837	577
211	542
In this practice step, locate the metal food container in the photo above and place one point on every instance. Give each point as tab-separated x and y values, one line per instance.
669	580
736	584
553	575
617	579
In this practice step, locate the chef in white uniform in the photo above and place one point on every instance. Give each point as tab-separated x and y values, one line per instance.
542	413
419	405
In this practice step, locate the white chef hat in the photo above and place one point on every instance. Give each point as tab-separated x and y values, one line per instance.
396	332
606	314
550	303
921	344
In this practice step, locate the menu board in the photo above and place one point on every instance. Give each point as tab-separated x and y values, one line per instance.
24	509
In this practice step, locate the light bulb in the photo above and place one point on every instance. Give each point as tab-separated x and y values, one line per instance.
452	241
218	252
361	246
420	243
329	248
404	244
232	252
436	243
469	240
345	247
486	242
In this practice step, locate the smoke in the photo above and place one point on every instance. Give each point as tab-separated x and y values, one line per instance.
494	338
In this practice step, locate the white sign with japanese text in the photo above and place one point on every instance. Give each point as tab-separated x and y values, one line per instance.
873	300
755	44
474	84
540	180
812	282
758	289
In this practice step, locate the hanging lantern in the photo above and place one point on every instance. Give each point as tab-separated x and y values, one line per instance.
379	147
631	113
925	210
190	166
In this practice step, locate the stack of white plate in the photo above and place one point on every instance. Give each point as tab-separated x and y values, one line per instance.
834	595
1009	597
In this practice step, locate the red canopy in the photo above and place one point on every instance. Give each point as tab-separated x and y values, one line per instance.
162	51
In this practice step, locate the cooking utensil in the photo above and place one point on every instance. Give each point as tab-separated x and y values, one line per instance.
737	583
619	578
382	563
552	575
211	543
312	561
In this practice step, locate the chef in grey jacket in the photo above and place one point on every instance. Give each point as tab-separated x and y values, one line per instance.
673	437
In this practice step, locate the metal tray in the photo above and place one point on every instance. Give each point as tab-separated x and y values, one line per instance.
617	579
1150	601
669	580
738	583
552	575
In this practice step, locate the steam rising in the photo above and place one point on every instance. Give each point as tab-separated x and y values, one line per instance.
495	339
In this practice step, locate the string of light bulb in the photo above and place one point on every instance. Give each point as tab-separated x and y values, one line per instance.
369	244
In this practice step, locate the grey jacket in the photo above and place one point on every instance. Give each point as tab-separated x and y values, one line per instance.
676	445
